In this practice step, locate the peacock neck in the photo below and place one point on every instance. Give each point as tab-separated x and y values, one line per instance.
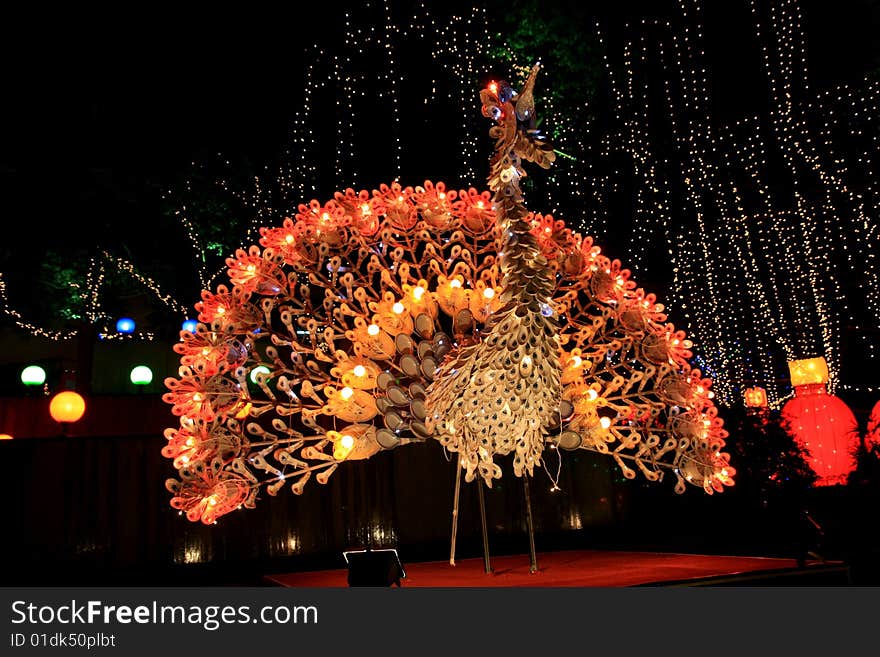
526	277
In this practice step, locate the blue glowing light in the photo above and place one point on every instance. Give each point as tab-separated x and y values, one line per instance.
190	325
125	325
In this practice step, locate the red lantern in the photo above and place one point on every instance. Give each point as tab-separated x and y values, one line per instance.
872	437
755	397
826	427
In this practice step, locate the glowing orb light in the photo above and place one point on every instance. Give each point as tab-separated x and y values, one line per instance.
125	325
260	369
33	375
190	325
141	375
67	406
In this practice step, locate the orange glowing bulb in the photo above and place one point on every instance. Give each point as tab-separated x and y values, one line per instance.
346	393
373	329
455	283
398	308
605	422
67	406
488	293
359	370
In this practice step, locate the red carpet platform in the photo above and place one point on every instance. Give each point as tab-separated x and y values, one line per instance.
596	568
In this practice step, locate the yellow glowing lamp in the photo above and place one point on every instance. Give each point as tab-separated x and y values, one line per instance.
5	436
244	412
342	447
808	371
755	397
67	406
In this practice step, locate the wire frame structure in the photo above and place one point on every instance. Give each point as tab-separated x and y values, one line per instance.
385	318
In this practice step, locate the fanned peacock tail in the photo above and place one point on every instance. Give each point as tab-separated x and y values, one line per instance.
405	314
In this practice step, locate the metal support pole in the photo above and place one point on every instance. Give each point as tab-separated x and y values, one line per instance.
487	566
455	511
533	557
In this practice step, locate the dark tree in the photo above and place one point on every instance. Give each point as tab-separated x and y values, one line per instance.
769	462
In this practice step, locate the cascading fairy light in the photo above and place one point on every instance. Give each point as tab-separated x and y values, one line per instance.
788	130
773	284
391	76
714	297
832	172
195	243
94	283
128	268
457	45
20	322
850	112
728	214
345	125
709	142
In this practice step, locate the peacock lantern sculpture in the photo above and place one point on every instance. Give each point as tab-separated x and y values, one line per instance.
408	314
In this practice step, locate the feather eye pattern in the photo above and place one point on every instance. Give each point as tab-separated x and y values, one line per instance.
385	318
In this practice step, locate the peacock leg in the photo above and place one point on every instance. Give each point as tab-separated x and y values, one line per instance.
533	556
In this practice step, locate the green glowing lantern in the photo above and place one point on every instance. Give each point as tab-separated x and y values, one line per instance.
260	369
141	375
33	375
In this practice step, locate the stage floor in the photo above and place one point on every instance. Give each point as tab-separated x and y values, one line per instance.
575	568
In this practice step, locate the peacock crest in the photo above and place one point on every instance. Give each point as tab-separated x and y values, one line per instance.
407	314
